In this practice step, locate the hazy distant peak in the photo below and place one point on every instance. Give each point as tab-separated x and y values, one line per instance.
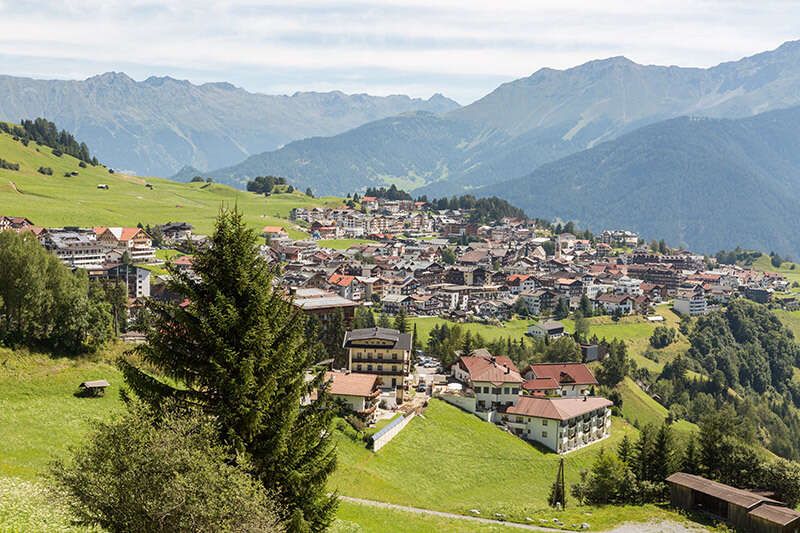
111	77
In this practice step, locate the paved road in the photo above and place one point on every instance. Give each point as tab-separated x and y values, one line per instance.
653	527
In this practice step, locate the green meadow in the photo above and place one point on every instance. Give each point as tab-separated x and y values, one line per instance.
57	200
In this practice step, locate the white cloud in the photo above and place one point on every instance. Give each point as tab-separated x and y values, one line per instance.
461	48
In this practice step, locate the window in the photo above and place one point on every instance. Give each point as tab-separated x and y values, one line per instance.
544	434
519	420
496	391
514	391
544	421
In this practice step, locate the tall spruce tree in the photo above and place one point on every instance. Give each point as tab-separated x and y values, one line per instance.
241	352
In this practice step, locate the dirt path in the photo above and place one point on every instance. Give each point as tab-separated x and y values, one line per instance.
653	527
417	510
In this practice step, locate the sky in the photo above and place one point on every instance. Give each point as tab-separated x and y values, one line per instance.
460	48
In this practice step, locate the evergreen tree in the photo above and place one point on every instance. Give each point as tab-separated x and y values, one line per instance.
562	309
585	306
241	352
383	321
625	451
364	318
663	458
400	321
691	461
644	450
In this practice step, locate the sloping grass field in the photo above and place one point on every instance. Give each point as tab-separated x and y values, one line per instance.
76	201
445	460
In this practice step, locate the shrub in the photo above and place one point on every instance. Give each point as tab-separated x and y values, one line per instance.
57	152
170	475
47	171
8	165
82	164
662	337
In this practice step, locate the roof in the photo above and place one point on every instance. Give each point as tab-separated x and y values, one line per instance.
272	229
540	384
739	497
775	514
94	384
401	341
351	384
482	366
341	280
577	373
120	234
557	408
550	325
322	302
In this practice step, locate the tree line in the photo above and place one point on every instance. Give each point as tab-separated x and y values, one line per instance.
47	133
636	471
44	305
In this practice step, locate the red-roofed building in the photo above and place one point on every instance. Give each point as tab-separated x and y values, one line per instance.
518	283
495	380
560	424
573	379
359	392
272	232
347	286
132	240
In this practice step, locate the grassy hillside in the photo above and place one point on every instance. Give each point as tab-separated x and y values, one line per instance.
639	408
452	461
76	201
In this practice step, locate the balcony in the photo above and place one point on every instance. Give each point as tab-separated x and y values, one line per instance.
375	359
399	372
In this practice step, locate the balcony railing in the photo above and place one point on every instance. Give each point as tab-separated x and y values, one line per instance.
398	372
375	359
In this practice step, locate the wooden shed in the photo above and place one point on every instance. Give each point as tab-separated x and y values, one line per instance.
745	510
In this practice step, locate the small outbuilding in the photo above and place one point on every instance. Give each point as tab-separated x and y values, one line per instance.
745	510
94	388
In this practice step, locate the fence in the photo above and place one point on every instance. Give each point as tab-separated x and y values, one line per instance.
382	437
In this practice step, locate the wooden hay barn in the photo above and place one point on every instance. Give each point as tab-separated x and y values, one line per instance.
746	511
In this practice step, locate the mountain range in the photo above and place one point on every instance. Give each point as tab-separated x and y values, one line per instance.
529	122
159	125
708	184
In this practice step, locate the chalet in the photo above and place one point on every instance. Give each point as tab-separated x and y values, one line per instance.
560	424
393	303
381	351
518	283
615	303
494	380
358	392
176	231
273	232
14	223
564	379
539	301
134	241
550	329
323	305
